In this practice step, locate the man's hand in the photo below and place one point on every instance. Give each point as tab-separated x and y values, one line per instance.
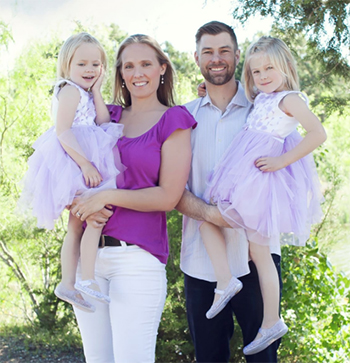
213	215
198	209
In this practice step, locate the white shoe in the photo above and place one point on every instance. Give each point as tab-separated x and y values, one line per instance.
83	286
72	296
231	290
268	336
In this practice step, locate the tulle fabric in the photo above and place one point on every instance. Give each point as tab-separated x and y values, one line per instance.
272	207
53	179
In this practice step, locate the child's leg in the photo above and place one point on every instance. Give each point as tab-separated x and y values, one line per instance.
215	245
272	327
88	252
70	252
269	283
227	285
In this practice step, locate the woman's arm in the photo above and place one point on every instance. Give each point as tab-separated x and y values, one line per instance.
68	100
294	106
174	170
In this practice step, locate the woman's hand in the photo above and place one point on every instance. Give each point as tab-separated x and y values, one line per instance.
270	164
86	205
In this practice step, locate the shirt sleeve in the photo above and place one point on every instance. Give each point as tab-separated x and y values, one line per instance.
115	112
178	117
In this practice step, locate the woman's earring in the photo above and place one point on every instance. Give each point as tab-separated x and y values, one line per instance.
123	84
162	79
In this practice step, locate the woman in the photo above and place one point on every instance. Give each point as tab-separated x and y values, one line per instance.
156	152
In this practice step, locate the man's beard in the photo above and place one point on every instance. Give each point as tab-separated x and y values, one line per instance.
219	80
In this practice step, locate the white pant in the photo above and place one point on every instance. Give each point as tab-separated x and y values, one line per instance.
125	331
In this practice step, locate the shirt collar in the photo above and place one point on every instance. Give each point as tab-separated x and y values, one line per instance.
239	99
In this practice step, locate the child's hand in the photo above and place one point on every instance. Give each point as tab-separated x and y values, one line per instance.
269	164
91	175
97	85
201	90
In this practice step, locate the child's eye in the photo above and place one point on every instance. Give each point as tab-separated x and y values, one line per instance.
127	66
146	64
81	64
96	64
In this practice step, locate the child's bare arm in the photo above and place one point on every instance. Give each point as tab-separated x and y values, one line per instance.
102	113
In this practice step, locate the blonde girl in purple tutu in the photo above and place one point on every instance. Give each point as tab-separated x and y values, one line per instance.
72	157
266	183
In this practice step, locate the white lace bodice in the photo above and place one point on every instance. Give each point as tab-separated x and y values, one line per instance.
85	113
266	116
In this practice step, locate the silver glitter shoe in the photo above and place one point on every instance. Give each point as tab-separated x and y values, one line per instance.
268	336
74	298
231	290
83	286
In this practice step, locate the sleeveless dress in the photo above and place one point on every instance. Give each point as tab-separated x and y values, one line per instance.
53	178
272	207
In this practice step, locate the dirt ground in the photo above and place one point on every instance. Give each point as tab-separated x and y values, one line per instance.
13	350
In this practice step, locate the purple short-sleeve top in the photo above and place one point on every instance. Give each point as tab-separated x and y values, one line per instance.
142	158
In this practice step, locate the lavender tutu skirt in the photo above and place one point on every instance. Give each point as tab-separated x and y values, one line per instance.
53	179
272	207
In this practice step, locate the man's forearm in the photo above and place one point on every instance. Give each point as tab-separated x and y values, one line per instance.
192	206
196	208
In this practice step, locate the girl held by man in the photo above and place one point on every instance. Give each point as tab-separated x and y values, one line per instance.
266	184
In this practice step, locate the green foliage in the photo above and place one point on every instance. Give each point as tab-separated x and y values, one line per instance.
324	23
5	35
188	74
315	307
174	341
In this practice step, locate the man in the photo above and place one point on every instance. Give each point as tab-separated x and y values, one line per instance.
220	116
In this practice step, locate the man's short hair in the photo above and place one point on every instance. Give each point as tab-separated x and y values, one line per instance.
214	28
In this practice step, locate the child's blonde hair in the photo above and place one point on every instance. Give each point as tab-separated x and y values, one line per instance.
280	57
68	49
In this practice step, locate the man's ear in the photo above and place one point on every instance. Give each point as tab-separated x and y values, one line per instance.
196	58
237	56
